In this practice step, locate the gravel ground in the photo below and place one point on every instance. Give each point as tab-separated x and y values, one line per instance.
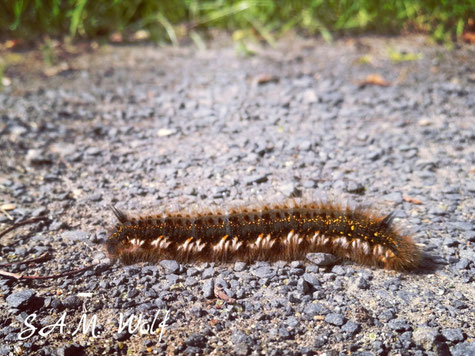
144	128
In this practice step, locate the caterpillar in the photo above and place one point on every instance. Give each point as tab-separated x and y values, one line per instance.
286	231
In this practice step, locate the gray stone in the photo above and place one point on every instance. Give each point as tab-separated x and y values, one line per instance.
399	325
93	151
320	341
256	178
351	327
37	157
241	349
339	270
335	319
312	279
296	264
75	235
362	353
73	349
462	225
240	266
386	315
72	302
358	283
453	335
95	197
395	197
124	335
197	340
426	337
296	271
462	264
192	350
208	273
449	242
197	311
132	293
355	188
292	322
208	288
172	278
191	282
290	190
239	337
284	333
374	155
20	299
171	266
264	272
313	309
5	349
309	96
303	286
463	349
322	259
468	254
191	272
39	211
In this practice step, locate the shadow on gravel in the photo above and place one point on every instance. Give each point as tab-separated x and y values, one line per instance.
430	263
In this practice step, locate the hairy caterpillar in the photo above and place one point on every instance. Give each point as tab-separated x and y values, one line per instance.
279	232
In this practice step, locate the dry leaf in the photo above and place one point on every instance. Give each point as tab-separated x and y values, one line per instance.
468	37
374	79
213	322
218	291
52	71
410	199
116	37
8	207
265	78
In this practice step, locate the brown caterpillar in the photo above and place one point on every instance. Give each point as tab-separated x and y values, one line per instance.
279	232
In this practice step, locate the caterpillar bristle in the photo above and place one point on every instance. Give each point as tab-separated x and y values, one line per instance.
264	232
121	216
386	221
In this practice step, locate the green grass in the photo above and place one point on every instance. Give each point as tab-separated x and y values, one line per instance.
169	20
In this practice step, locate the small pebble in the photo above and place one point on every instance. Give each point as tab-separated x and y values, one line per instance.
171	266
335	319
